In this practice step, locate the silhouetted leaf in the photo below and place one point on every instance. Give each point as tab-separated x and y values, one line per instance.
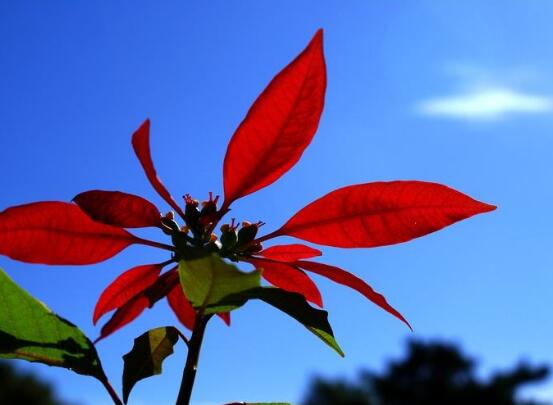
147	355
293	304
31	331
207	280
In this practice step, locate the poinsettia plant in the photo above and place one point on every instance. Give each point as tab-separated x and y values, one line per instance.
200	278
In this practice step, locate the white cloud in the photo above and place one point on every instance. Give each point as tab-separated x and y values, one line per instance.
485	103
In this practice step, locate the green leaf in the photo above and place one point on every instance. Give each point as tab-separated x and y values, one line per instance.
209	279
146	356
31	331
293	304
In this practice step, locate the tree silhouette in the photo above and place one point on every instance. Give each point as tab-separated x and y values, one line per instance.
17	388
431	374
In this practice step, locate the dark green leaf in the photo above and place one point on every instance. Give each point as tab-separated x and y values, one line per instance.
31	331
207	280
293	304
145	358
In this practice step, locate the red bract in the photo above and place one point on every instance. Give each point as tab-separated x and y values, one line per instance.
289	278
271	139
54	232
290	253
126	286
378	214
118	209
279	125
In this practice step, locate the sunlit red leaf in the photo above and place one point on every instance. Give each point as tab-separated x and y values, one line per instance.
289	253
141	145
132	308
278	126
118	209
343	277
125	287
124	315
182	308
289	278
381	213
55	232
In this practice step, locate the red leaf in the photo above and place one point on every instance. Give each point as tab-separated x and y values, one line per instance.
289	278
289	253
141	145
279	125
181	307
131	309
225	316
343	277
118	209
125	287
124	315
55	232
184	311
382	213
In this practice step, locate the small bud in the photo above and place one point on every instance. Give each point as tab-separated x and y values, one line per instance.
190	201
191	212
228	236
247	233
168	222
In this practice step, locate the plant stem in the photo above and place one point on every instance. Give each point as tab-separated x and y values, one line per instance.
189	373
155	244
114	397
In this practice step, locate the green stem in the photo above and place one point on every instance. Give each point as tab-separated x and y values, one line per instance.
189	373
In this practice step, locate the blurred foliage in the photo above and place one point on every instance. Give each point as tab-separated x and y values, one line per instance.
17	388
431	374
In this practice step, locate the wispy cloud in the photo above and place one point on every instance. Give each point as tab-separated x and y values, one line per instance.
487	94
485	104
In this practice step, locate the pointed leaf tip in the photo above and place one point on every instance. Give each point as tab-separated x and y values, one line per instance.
381	213
343	277
141	146
279	126
294	305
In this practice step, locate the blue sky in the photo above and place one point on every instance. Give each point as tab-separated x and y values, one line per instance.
459	93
